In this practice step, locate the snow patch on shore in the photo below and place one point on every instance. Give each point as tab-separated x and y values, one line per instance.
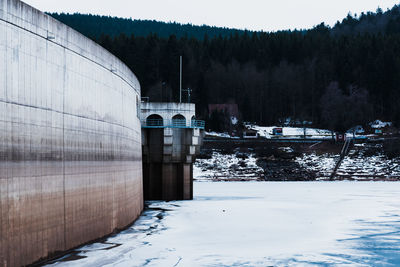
221	167
355	166
322	165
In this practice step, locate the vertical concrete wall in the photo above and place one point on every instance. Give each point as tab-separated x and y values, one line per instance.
168	156
70	140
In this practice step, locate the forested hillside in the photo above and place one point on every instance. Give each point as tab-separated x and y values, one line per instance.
94	26
336	77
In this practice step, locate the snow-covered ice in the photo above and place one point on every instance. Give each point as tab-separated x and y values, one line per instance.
262	224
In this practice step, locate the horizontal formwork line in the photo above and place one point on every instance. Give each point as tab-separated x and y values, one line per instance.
73	130
85	172
65	113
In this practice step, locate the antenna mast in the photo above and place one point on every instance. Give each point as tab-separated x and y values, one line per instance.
180	79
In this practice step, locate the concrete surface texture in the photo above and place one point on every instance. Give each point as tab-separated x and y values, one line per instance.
168	156
70	138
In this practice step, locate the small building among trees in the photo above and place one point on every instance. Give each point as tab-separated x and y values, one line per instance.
223	117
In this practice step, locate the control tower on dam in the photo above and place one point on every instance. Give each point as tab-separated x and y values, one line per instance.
171	139
70	138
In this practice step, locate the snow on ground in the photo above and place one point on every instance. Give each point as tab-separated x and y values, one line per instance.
261	224
287	132
359	166
227	167
379	124
355	166
322	165
292	132
215	134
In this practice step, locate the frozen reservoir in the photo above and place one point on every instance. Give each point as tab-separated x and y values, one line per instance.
260	224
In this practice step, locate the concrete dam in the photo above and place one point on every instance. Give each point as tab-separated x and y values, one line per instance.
70	138
73	132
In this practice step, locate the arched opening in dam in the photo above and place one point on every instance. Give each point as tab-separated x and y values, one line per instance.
193	121
154	120
178	120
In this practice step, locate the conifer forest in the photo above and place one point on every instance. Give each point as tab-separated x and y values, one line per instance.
335	77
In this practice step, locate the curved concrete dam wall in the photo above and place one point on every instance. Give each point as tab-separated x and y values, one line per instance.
70	138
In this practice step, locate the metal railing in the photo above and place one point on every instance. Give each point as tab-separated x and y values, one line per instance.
174	123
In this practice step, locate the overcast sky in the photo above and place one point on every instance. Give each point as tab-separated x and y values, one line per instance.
267	15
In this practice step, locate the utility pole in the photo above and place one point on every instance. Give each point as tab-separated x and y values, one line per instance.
180	79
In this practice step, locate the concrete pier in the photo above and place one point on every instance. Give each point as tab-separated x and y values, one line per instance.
171	138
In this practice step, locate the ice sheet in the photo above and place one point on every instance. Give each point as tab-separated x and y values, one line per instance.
261	224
